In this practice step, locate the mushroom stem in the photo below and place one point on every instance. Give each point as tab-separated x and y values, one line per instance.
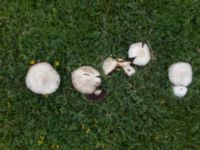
121	62
98	92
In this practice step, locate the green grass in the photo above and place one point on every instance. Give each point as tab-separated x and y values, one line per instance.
140	112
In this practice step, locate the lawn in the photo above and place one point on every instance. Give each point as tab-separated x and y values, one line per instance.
140	113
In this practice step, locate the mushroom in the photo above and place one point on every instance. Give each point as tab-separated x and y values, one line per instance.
140	54
110	64
126	66
42	78
87	80
180	91
180	74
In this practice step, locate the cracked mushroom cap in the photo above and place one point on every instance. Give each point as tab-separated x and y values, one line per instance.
42	78
180	74
140	54
86	79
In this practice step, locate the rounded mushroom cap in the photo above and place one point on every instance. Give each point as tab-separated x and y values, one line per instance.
42	78
140	52
180	74
180	91
109	65
86	79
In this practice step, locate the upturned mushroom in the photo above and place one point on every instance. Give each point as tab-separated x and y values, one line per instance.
180	74
140	54
110	64
87	80
42	78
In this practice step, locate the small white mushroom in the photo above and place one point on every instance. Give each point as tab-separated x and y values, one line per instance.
180	91
110	64
140	54
180	74
86	80
42	78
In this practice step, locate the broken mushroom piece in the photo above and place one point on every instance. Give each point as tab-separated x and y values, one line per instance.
180	74
110	64
86	80
42	78
140	54
129	70
126	66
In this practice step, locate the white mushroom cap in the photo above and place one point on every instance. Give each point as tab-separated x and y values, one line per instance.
180	91
109	65
180	74
42	78
86	79
140	52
